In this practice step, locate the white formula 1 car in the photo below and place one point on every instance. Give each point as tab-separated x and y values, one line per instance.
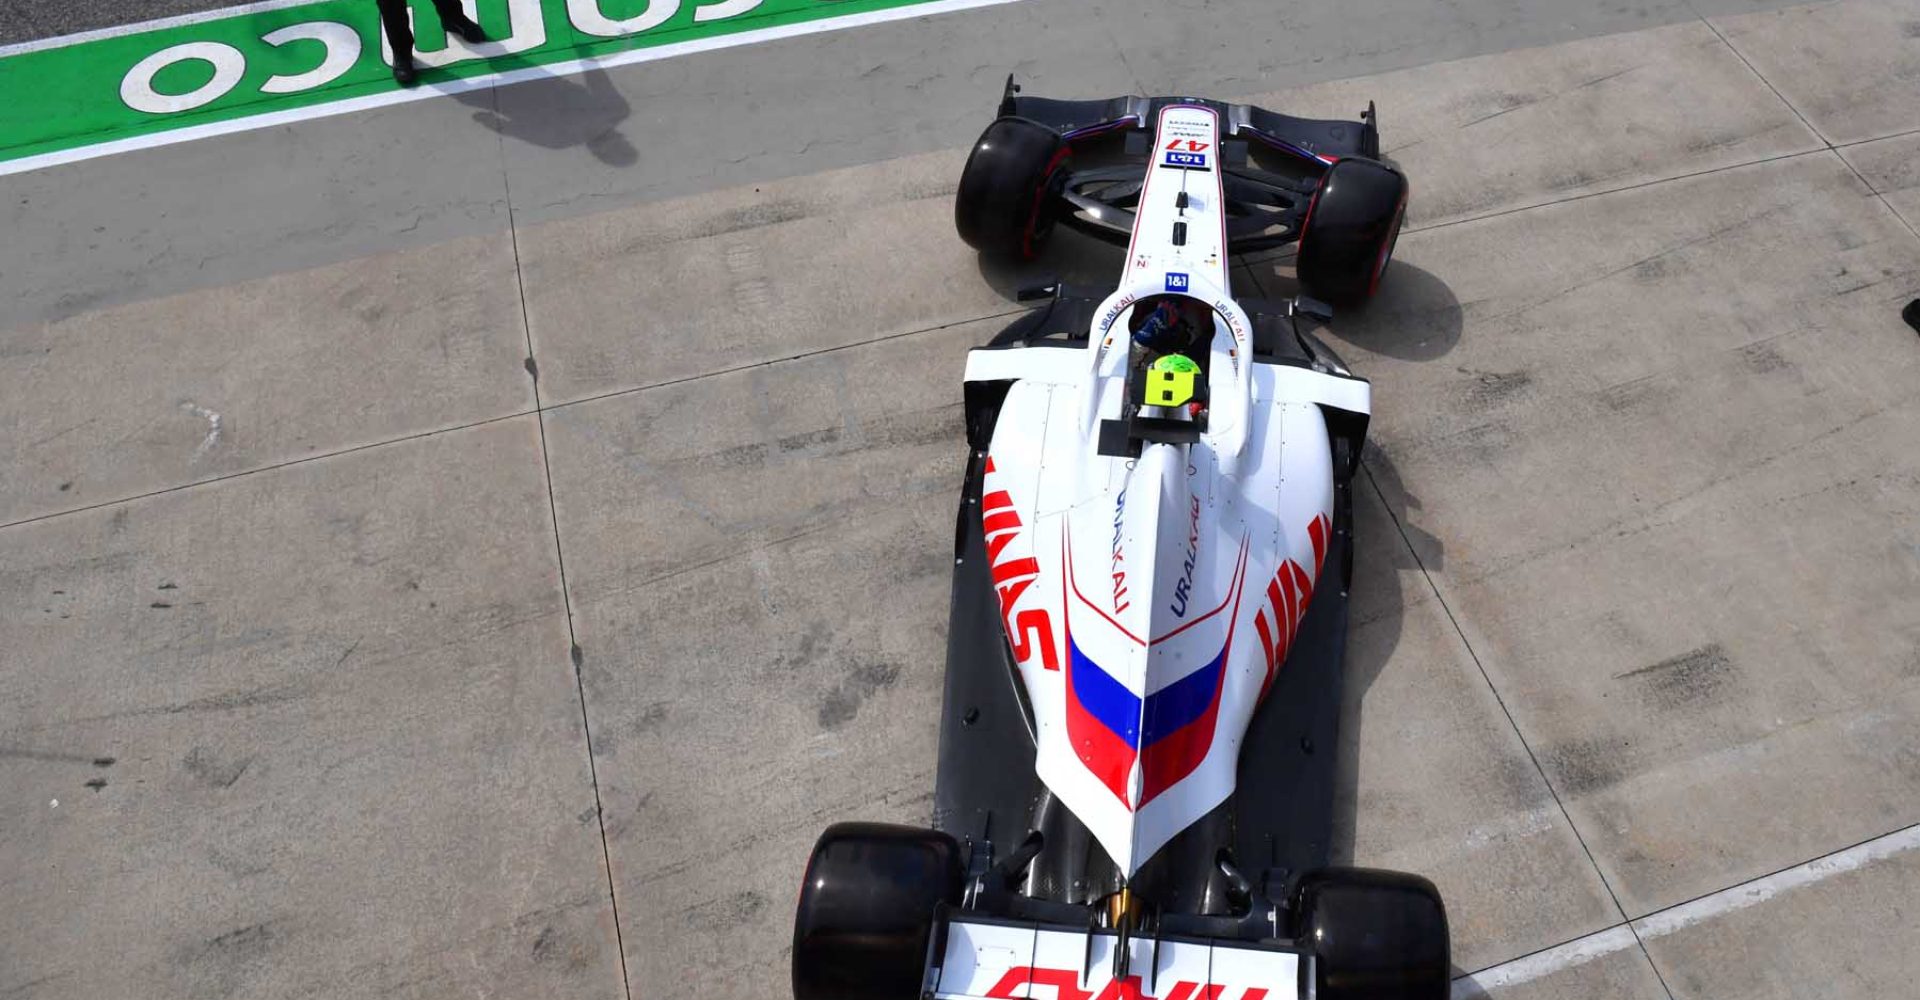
1150	597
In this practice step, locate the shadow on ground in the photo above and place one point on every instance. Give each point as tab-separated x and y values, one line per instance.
1068	256
1376	632
1384	478
1373	630
1415	316
556	111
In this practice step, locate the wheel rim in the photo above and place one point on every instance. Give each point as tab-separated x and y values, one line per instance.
1036	228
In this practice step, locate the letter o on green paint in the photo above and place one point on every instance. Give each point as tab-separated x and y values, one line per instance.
137	88
588	18
342	47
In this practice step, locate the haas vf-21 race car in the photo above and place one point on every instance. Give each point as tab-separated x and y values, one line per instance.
1152	556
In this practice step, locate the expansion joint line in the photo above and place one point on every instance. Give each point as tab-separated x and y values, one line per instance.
1514	724
574	655
1817	134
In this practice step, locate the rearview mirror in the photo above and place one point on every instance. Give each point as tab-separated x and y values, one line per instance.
1313	308
1034	293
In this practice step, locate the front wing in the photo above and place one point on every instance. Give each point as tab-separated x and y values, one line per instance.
1324	139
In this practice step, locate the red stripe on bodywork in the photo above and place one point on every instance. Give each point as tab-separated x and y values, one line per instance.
1040	198
1014	569
1102	752
1196	621
1268	645
1286	606
1303	589
1004	519
1169	760
1174	757
1096	608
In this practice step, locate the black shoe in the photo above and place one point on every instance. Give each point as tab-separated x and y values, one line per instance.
468	31
1912	314
404	74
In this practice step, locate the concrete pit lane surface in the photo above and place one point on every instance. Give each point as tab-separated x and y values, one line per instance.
470	545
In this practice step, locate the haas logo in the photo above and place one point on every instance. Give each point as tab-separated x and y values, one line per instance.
1033	627
1278	621
1025	981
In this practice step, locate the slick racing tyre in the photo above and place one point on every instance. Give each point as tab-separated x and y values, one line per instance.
866	911
1375	935
1004	207
1349	231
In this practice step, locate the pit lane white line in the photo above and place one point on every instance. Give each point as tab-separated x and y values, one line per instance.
430	91
1620	937
1579	951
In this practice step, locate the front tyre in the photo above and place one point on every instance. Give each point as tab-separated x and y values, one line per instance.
866	910
1376	935
1004	207
1349	231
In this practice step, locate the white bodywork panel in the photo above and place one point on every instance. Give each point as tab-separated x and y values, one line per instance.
1150	601
995	961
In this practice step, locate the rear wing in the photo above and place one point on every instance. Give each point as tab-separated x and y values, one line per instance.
988	959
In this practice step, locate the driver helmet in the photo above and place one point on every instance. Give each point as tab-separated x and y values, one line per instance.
1167	328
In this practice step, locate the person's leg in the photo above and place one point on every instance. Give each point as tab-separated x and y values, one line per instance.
457	23
393	16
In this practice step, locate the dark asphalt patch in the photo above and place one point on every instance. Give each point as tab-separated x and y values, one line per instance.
30	20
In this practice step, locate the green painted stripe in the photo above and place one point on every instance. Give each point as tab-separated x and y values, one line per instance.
71	96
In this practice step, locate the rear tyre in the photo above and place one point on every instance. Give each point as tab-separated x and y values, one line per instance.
1376	935
1350	229
1004	207
866	911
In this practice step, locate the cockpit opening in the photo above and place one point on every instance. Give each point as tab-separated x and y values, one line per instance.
1172	346
1168	368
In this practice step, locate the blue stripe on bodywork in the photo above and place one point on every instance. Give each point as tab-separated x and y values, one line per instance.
1181	703
1104	698
1168	710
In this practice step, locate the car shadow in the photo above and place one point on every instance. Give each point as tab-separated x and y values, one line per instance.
1069	256
1414	317
1386	526
1382	567
1405	507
